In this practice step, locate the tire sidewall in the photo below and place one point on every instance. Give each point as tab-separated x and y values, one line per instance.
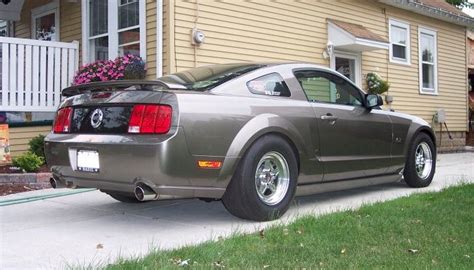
411	177
249	166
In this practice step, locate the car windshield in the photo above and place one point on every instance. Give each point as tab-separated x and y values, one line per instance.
208	77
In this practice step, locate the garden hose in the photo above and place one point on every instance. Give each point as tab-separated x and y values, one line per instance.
43	197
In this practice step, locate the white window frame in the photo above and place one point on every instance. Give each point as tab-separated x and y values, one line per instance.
401	24
112	31
431	32
44	10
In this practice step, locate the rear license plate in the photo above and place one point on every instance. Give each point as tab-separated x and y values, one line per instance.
88	161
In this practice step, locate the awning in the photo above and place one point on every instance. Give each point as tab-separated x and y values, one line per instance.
354	37
11	11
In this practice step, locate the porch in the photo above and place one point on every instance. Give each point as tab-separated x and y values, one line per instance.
33	72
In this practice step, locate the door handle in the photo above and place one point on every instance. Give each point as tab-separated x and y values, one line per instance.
329	117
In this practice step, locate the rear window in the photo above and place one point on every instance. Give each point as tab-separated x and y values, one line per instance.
208	77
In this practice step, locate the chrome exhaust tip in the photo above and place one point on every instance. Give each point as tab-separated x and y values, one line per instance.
145	193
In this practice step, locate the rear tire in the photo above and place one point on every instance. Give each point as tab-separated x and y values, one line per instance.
123	197
264	182
421	162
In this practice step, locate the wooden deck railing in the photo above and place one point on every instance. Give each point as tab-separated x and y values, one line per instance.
33	72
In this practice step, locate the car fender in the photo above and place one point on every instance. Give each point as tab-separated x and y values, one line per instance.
414	130
250	132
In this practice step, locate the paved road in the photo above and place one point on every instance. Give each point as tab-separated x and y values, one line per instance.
92	229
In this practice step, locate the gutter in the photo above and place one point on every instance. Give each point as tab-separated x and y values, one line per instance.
159	38
437	13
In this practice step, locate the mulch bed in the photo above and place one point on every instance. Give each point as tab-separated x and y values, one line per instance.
7	189
11	188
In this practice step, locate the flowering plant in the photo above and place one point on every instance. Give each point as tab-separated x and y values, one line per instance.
375	84
125	67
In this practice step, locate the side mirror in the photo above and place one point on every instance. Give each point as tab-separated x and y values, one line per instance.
372	101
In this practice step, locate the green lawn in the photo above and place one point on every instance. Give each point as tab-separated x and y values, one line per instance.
423	231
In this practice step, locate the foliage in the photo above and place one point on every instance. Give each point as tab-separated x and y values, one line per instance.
122	68
376	85
422	231
37	145
461	3
29	162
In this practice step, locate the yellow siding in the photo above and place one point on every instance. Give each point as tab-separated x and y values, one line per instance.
71	23
243	31
19	137
452	73
23	26
151	37
69	20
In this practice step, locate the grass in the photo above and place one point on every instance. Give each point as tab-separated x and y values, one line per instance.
431	230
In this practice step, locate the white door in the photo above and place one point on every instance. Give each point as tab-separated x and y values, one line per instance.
349	65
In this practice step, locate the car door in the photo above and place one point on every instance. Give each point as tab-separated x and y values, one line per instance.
354	142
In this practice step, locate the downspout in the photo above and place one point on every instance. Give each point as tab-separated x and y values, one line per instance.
159	38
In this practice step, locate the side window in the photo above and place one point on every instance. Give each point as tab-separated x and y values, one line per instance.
325	87
270	85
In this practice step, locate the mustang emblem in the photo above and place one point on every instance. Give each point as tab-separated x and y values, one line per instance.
96	118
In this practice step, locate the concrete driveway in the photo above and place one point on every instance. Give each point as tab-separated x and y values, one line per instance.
90	229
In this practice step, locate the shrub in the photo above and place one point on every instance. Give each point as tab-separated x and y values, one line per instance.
122	68
375	84
29	162
37	145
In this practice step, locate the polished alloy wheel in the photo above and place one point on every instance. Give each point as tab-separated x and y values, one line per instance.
423	160
272	178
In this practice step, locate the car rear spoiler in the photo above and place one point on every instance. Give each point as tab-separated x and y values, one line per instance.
112	85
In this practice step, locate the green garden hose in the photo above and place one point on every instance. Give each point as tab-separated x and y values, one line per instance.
43	197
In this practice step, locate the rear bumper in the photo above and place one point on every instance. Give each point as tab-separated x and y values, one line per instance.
161	162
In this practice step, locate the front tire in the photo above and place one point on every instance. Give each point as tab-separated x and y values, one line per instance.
421	162
264	182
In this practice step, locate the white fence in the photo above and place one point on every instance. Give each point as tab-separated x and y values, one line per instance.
34	72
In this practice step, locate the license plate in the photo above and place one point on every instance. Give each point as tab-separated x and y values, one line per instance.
88	161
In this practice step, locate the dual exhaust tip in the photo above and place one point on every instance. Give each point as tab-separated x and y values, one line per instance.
142	192
145	193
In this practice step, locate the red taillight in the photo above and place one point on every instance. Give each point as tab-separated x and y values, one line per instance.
62	124
148	119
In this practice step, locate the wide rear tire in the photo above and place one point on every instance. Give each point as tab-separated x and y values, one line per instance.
264	182
421	162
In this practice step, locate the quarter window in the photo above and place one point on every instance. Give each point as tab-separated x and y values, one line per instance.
428	61
399	42
270	85
328	88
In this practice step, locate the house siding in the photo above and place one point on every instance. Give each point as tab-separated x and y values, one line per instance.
452	73
20	136
297	31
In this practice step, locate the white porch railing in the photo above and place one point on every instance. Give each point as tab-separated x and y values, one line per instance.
33	73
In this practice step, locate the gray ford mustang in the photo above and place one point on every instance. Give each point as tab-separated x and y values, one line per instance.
252	135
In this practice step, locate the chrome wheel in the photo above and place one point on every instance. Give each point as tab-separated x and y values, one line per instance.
272	178
423	160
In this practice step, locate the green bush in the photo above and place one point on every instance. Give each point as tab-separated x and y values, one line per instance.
37	145
29	162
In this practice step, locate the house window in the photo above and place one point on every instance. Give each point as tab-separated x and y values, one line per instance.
428	61
4	28
115	28
98	32
45	22
399	42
